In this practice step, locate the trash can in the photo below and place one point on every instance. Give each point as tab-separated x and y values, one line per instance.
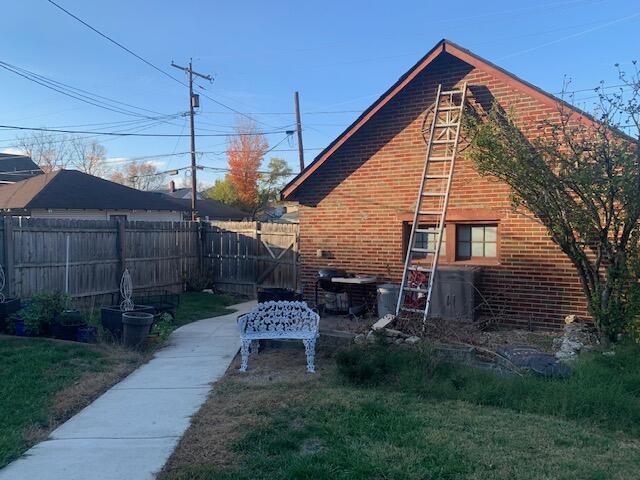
387	299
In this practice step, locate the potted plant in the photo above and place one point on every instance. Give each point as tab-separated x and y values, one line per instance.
161	329
39	314
16	325
66	324
8	306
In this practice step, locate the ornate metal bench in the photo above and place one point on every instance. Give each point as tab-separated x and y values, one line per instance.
275	320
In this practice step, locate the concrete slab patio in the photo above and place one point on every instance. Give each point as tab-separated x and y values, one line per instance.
130	431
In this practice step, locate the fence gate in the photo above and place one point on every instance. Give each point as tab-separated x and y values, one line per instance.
244	255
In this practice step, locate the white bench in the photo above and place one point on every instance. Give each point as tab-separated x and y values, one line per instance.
279	320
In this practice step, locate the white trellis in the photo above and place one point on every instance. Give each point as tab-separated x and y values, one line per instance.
126	291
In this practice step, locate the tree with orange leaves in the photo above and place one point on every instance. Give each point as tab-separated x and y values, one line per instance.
245	152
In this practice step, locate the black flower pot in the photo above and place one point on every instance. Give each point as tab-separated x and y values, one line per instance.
111	317
87	334
65	326
9	306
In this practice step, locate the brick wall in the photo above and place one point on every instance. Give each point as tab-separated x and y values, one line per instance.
353	207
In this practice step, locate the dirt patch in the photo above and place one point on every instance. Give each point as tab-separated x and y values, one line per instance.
344	323
241	401
465	333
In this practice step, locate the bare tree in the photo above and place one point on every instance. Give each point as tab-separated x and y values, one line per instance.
88	156
55	152
143	176
49	152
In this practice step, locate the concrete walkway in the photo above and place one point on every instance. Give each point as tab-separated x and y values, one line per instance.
130	431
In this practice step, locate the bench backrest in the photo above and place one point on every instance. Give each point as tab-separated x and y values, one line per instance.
279	317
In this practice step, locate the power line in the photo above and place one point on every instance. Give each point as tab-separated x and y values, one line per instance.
88	132
77	93
147	62
118	44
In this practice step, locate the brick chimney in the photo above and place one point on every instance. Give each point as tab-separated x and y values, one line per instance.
172	186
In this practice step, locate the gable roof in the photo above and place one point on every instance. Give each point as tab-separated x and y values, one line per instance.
443	46
14	168
71	189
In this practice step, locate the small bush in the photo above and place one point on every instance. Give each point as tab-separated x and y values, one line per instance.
41	310
164	327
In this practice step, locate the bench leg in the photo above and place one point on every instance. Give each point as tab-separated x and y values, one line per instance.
310	351
244	353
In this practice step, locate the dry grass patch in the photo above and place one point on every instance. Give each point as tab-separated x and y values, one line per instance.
277	422
241	402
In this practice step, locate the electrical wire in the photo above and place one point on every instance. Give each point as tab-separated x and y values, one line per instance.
78	93
174	135
150	64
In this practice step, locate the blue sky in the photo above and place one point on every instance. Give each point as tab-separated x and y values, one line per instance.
339	55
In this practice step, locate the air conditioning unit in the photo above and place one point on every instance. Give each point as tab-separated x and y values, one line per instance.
454	294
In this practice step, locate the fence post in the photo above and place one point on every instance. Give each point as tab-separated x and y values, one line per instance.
256	260
121	246
9	272
201	242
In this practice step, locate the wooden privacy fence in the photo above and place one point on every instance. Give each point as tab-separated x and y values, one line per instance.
160	255
244	255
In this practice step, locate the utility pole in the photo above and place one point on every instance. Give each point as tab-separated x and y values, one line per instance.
194	102
296	104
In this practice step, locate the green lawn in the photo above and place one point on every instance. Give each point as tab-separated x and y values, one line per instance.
197	305
387	413
39	384
44	382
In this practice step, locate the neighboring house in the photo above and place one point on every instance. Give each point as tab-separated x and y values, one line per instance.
177	192
357	197
75	195
280	212
208	209
14	168
211	210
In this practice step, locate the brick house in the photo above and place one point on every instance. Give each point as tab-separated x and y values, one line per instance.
357	197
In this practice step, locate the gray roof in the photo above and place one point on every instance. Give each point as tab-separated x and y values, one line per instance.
71	189
211	209
14	168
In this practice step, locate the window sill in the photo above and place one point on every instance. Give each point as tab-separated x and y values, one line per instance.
492	262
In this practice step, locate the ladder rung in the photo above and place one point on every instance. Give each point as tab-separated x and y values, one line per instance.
436	177
423	250
416	290
427	230
443	142
446	125
451	92
440	159
414	310
418	268
449	109
430	212
433	194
